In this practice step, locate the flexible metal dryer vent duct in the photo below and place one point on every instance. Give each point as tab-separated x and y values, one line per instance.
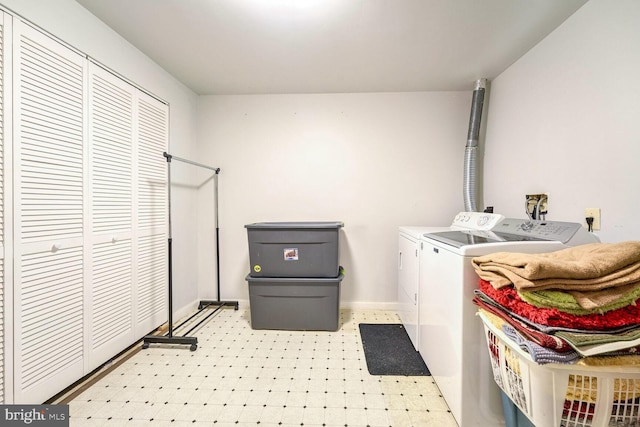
471	150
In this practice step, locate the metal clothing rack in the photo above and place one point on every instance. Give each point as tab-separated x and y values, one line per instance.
169	337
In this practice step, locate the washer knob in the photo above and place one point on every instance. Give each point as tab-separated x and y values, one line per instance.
527	226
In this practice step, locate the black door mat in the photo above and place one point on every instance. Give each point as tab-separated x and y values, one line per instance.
389	351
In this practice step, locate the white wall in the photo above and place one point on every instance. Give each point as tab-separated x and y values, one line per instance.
561	120
70	22
564	120
374	161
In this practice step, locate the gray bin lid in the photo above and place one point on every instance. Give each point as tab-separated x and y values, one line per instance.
296	225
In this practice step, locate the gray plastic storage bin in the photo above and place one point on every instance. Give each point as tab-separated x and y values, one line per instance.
301	304
294	249
513	416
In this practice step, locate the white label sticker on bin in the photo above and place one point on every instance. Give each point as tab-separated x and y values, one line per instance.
291	254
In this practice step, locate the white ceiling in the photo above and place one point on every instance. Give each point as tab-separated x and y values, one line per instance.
331	46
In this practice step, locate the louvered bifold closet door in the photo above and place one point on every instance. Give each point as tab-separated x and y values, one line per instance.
49	221
151	215
111	127
5	24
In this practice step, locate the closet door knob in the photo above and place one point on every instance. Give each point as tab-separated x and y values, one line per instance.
114	239
56	247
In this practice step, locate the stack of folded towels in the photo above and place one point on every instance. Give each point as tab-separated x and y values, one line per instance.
577	305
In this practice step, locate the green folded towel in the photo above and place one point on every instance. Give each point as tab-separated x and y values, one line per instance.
582	303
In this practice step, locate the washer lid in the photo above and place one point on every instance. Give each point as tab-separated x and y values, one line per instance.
460	238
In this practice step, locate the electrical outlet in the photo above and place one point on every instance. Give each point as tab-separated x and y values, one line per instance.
595	213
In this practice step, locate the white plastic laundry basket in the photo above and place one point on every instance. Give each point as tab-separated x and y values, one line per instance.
559	395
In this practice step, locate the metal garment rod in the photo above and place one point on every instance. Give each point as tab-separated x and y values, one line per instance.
169	157
191	162
170	338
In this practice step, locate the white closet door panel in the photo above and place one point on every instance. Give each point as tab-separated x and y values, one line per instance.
150	249
153	136
111	135
3	282
51	321
111	169
111	300
49	98
2	160
2	335
152	283
49	257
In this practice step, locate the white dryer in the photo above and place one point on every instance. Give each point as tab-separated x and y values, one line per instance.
409	239
451	336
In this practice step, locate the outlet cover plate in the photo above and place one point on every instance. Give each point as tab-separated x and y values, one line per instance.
595	213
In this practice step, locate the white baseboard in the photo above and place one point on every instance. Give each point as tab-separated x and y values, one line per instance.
358	305
344	305
351	305
185	310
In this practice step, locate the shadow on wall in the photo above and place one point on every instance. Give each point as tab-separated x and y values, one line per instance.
346	291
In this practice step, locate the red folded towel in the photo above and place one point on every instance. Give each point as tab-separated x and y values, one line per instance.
509	298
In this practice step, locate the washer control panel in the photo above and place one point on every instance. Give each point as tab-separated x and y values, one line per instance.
498	228
476	220
547	230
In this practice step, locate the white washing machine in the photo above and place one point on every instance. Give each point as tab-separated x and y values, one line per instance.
451	336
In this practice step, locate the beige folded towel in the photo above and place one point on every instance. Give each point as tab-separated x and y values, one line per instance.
623	294
581	268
